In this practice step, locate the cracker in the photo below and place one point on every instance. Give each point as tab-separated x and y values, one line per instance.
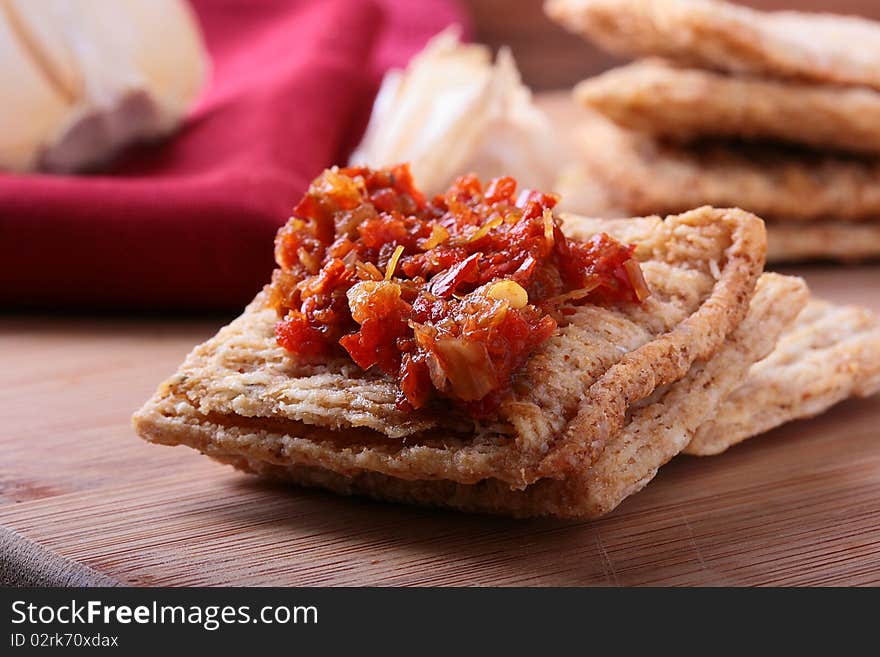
831	353
584	195
728	37
655	431
659	430
568	406
842	242
650	176
684	104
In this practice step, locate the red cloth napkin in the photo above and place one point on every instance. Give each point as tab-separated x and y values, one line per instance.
189	223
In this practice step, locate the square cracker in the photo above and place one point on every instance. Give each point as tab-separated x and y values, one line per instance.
585	194
684	104
644	175
831	353
841	241
729	37
655	430
569	404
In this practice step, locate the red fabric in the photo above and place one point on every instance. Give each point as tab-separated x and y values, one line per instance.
190	223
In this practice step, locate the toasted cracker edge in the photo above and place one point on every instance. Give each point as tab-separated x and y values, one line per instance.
721	35
832	353
668	358
684	104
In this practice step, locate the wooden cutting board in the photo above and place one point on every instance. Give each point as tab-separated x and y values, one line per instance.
83	500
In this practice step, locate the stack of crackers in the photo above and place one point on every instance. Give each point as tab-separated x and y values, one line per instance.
774	112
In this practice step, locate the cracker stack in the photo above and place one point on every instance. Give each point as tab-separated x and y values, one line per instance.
774	112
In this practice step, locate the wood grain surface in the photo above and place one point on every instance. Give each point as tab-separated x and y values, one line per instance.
83	500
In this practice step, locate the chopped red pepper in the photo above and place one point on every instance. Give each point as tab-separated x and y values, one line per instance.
473	279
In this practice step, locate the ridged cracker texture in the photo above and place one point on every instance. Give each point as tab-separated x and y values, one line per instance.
725	36
658	98
656	430
239	397
651	176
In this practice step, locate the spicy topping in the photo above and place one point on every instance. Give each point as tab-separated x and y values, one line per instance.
450	296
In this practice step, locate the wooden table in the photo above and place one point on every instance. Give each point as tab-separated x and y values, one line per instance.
83	500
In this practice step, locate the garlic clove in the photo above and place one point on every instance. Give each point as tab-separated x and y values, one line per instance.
431	114
31	108
41	26
168	35
453	110
130	70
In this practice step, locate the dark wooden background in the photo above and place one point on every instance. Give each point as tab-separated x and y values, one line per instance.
551	58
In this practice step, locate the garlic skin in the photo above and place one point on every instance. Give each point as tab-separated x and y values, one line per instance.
455	111
91	77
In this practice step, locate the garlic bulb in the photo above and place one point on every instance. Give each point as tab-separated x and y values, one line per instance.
83	78
454	111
